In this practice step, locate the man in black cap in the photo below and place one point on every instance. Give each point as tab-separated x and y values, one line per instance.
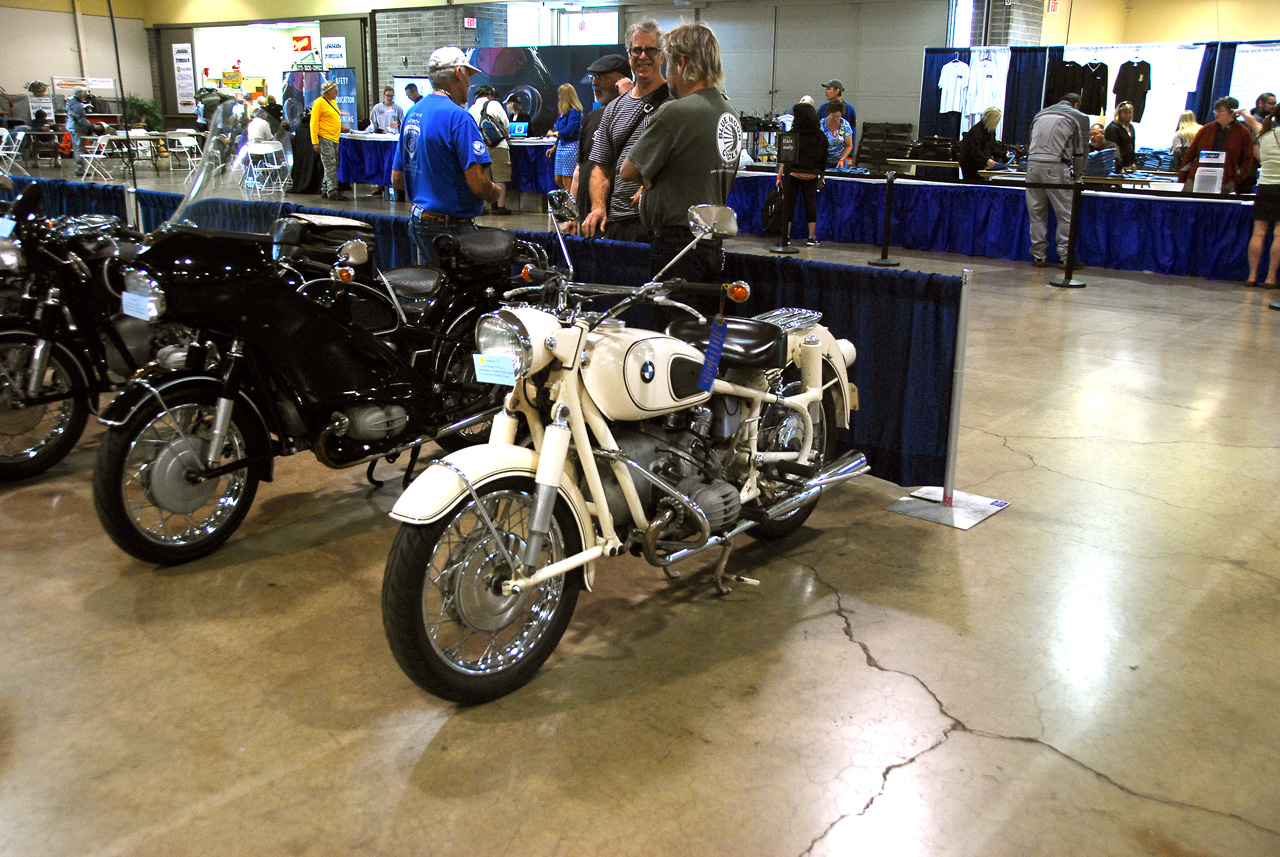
835	91
605	74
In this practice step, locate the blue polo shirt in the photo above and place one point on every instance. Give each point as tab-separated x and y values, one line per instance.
438	141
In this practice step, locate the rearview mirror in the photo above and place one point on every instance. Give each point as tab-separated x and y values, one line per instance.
719	221
353	252
561	205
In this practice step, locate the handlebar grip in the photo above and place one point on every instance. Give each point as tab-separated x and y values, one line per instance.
531	274
131	233
699	288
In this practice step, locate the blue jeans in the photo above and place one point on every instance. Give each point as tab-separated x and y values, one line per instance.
424	233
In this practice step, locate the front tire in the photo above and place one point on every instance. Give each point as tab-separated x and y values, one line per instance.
143	485
34	438
449	626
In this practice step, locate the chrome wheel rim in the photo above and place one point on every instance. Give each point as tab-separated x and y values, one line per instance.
163	505
470	624
26	431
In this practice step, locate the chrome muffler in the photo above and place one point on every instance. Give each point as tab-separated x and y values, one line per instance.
847	466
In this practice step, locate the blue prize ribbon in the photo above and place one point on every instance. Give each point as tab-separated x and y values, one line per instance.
711	362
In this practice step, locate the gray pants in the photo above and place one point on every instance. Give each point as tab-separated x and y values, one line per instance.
329	159
1038	201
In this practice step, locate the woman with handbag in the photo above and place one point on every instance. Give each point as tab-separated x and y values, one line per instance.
807	175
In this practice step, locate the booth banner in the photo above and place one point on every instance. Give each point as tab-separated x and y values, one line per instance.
184	76
101	84
66	86
346	101
45	104
333	51
534	75
231	79
399	82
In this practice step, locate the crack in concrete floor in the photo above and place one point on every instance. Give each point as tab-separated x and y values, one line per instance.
958	725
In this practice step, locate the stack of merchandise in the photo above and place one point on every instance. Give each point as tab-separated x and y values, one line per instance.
1149	159
1101	162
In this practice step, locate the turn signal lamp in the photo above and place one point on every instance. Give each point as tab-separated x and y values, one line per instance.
738	292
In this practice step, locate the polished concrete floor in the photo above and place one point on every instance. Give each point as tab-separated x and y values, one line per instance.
1092	671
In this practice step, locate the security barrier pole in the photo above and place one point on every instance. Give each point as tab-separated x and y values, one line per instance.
884	261
1069	263
788	153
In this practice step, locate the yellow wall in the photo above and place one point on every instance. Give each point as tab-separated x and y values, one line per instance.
1107	22
123	8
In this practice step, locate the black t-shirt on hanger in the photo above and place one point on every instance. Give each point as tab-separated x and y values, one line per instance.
1133	82
1064	77
1093	88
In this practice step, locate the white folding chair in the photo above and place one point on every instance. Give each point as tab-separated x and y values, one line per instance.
265	167
143	146
10	149
184	150
95	160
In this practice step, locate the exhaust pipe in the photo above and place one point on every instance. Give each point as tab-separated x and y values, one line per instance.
847	466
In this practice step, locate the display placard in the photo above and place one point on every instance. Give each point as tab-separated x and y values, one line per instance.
184	77
333	51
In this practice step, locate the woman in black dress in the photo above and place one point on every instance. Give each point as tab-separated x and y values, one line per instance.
979	148
807	174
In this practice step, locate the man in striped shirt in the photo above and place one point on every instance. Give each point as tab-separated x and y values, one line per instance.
614	212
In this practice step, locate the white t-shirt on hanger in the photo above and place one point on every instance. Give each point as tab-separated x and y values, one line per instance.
954	83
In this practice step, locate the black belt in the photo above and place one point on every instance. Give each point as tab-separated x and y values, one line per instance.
443	219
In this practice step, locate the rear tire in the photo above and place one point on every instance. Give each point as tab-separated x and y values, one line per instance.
778	422
142	486
449	626
33	439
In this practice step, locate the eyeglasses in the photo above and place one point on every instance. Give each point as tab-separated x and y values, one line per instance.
645	52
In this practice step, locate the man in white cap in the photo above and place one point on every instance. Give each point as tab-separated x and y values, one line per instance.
326	127
440	158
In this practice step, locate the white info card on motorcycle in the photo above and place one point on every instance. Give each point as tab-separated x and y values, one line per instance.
495	369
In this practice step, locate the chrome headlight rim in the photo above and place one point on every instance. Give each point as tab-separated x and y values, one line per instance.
10	255
137	282
502	334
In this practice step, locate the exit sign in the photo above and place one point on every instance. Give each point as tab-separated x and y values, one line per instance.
1053	6
468	23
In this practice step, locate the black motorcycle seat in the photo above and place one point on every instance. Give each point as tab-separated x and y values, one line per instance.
486	245
415	282
747	342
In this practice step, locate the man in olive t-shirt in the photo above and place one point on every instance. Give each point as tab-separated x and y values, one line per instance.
688	155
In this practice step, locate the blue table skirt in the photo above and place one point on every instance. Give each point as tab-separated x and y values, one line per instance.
370	162
367	161
531	170
1180	237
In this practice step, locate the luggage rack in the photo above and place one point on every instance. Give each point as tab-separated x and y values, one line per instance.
791	319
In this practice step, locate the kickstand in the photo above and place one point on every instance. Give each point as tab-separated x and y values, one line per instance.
413	461
720	576
376	483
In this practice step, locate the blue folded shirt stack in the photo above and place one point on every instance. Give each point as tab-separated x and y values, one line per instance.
1101	163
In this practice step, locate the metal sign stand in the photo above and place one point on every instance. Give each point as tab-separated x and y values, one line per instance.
788	151
1070	262
945	505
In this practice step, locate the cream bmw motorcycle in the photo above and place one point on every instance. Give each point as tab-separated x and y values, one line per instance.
640	444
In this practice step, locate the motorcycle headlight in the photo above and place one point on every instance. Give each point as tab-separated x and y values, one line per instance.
505	337
142	298
10	255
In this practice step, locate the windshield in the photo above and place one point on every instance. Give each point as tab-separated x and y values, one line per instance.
235	188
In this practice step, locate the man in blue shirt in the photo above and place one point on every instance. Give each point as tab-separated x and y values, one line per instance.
441	157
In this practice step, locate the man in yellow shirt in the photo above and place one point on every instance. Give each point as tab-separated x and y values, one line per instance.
326	125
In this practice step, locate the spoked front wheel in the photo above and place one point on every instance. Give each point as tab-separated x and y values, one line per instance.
451	628
33	438
147	488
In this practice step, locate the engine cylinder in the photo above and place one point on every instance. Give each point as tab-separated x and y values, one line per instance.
717	499
374	423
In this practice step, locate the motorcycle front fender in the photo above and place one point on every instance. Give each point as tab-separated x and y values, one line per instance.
438	489
835	360
146	387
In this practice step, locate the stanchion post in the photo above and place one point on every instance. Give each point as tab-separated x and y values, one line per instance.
1068	264
883	261
957	387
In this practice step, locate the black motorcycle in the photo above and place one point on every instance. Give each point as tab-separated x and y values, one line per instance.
63	339
352	371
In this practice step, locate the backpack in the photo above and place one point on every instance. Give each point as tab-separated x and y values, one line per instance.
491	131
773	215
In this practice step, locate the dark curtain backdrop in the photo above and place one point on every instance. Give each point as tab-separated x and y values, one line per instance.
1222	74
1201	101
1053	58
933	124
1024	91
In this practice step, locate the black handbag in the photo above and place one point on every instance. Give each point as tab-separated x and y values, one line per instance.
773	214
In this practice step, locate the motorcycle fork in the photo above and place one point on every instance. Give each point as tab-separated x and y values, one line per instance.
45	320
226	402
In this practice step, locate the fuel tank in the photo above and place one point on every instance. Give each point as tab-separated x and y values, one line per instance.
635	374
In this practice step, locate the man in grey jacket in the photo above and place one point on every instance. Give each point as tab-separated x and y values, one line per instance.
1059	140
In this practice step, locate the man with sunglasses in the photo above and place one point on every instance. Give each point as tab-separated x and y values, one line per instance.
688	155
613	199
